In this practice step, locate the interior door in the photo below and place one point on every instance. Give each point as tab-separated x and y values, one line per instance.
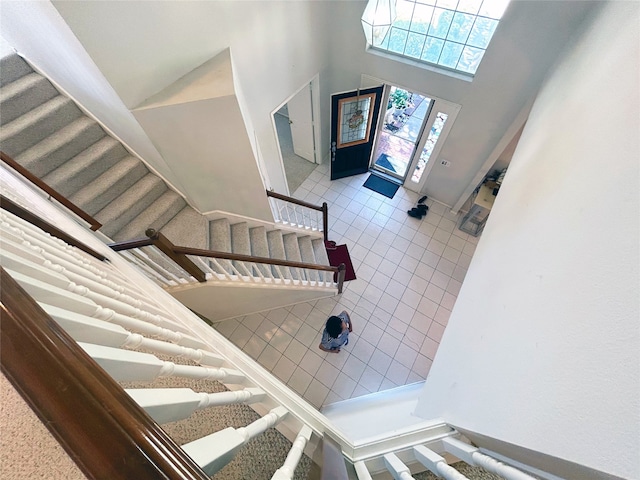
301	122
354	117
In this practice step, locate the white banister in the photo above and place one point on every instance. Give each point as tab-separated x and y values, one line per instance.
361	471
37	239
286	471
216	450
396	467
171	404
472	455
90	330
436	464
51	295
128	366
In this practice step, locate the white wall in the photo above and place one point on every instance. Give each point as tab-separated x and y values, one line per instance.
37	32
278	46
525	44
542	349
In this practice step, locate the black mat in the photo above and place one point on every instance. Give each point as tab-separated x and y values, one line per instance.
382	186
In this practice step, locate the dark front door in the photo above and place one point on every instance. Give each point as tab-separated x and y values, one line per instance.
354	116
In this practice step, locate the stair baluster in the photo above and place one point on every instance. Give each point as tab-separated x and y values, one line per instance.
436	464
216	450
128	366
172	404
90	330
286	471
473	456
396	467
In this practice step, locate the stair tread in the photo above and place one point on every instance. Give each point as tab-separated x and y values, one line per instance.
29	129
292	253
320	253
188	229
306	252
260	247
102	190
276	251
220	235
13	67
155	216
86	166
130	204
240	241
64	144
220	241
24	94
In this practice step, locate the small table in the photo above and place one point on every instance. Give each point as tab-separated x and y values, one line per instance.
474	221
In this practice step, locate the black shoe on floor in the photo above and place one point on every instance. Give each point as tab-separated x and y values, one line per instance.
415	213
422	207
422	199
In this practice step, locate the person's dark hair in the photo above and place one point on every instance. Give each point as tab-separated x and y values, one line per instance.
334	326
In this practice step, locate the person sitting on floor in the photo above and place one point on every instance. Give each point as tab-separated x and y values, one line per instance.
336	333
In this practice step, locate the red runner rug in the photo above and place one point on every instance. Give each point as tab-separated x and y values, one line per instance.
340	254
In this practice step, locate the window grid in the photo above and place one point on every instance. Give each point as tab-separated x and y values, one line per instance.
451	53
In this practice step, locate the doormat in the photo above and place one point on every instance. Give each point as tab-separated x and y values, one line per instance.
383	161
340	254
382	186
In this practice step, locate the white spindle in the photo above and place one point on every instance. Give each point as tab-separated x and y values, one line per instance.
66	300
216	450
171	404
436	464
362	472
286	471
472	455
158	278
36	238
127	366
99	332
396	467
145	255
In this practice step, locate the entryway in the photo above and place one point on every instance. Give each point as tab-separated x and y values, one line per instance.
399	132
390	130
411	132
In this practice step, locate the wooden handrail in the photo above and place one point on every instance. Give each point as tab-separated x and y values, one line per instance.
279	196
33	219
169	249
102	429
95	225
249	258
130	244
321	208
179	255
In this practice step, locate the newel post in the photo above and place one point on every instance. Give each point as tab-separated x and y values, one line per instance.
325	221
165	246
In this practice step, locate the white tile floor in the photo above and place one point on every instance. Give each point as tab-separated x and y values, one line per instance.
409	274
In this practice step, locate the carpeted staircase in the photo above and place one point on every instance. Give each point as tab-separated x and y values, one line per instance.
49	135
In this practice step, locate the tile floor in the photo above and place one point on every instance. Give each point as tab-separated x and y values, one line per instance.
409	274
